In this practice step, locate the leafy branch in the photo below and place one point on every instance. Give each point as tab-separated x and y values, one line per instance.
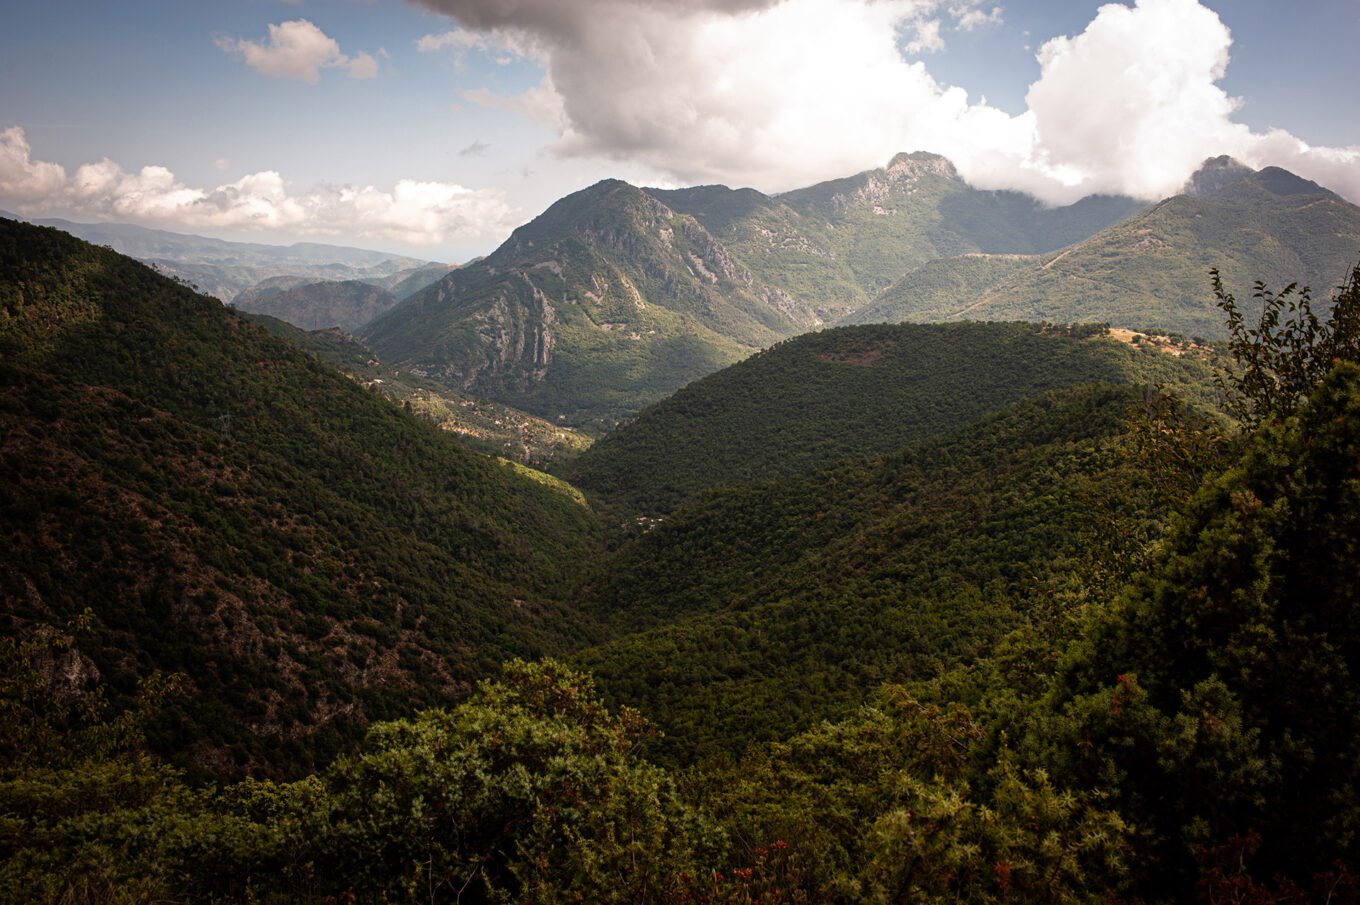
1282	359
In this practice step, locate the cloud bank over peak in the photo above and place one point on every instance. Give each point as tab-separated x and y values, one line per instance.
782	93
299	50
411	212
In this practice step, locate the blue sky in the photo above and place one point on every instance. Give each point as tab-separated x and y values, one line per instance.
339	127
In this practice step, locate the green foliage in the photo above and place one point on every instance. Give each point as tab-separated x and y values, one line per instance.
755	610
1218	699
852	392
882	807
232	509
1282	360
53	714
529	791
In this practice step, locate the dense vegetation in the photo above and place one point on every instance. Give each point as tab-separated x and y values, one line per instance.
760	609
1015	661
231	509
484	425
849	393
938	289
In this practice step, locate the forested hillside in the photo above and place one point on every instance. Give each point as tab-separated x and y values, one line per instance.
1093	644
484	425
347	304
851	392
760	609
229	508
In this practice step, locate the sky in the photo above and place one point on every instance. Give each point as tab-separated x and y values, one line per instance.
434	127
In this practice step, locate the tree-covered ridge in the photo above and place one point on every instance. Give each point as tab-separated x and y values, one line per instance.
483	425
758	609
847	393
937	289
308	556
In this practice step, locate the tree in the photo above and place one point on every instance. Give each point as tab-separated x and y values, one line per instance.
1286	355
1217	700
530	791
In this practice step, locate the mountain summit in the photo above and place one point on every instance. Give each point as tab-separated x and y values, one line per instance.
607	301
1151	270
1215	174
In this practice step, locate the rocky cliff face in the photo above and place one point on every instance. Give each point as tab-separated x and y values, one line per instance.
609	286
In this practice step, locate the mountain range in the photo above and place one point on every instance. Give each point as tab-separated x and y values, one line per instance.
223	269
1151	269
617	296
951	612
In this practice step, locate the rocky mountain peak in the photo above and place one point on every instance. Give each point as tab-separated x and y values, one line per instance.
920	163
1216	174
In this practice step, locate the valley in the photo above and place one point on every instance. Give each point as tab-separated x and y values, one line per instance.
882	540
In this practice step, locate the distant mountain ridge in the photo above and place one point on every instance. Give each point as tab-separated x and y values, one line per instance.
842	241
616	296
347	304
1151	270
222	268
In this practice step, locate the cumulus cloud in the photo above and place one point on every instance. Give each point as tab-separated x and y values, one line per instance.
781	93
299	50
414	212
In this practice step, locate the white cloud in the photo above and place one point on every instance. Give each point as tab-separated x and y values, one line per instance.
22	180
363	66
297	49
414	212
782	93
927	39
1133	105
969	19
505	45
460	38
